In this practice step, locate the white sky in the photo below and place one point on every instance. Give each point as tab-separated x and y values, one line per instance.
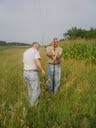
41	20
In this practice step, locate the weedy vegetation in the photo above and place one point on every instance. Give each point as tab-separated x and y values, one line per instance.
73	107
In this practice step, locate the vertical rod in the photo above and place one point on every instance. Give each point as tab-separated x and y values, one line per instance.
54	69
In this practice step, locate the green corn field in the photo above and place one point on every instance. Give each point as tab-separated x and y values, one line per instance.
80	51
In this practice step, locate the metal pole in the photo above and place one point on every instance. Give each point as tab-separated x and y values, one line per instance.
54	69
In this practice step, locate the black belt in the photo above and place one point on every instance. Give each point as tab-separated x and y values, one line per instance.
54	63
31	70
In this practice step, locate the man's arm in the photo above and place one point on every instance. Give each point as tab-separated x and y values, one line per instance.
53	55
50	55
38	62
59	54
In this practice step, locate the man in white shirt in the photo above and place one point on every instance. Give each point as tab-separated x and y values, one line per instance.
32	61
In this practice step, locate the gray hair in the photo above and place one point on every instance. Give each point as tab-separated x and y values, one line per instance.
36	44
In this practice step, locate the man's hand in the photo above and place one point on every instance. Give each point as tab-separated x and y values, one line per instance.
54	54
43	72
38	62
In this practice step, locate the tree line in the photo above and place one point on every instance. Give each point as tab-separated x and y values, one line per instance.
75	33
4	43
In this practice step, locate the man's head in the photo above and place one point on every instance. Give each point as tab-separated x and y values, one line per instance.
55	42
36	45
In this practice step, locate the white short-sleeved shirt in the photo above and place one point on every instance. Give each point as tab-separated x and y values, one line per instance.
29	57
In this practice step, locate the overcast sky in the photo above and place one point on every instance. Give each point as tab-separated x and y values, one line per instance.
41	20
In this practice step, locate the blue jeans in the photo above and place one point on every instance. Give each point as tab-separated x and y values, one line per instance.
31	77
57	75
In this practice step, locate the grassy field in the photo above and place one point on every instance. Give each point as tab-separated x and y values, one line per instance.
73	107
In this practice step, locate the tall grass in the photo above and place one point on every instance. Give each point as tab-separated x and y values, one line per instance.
73	107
